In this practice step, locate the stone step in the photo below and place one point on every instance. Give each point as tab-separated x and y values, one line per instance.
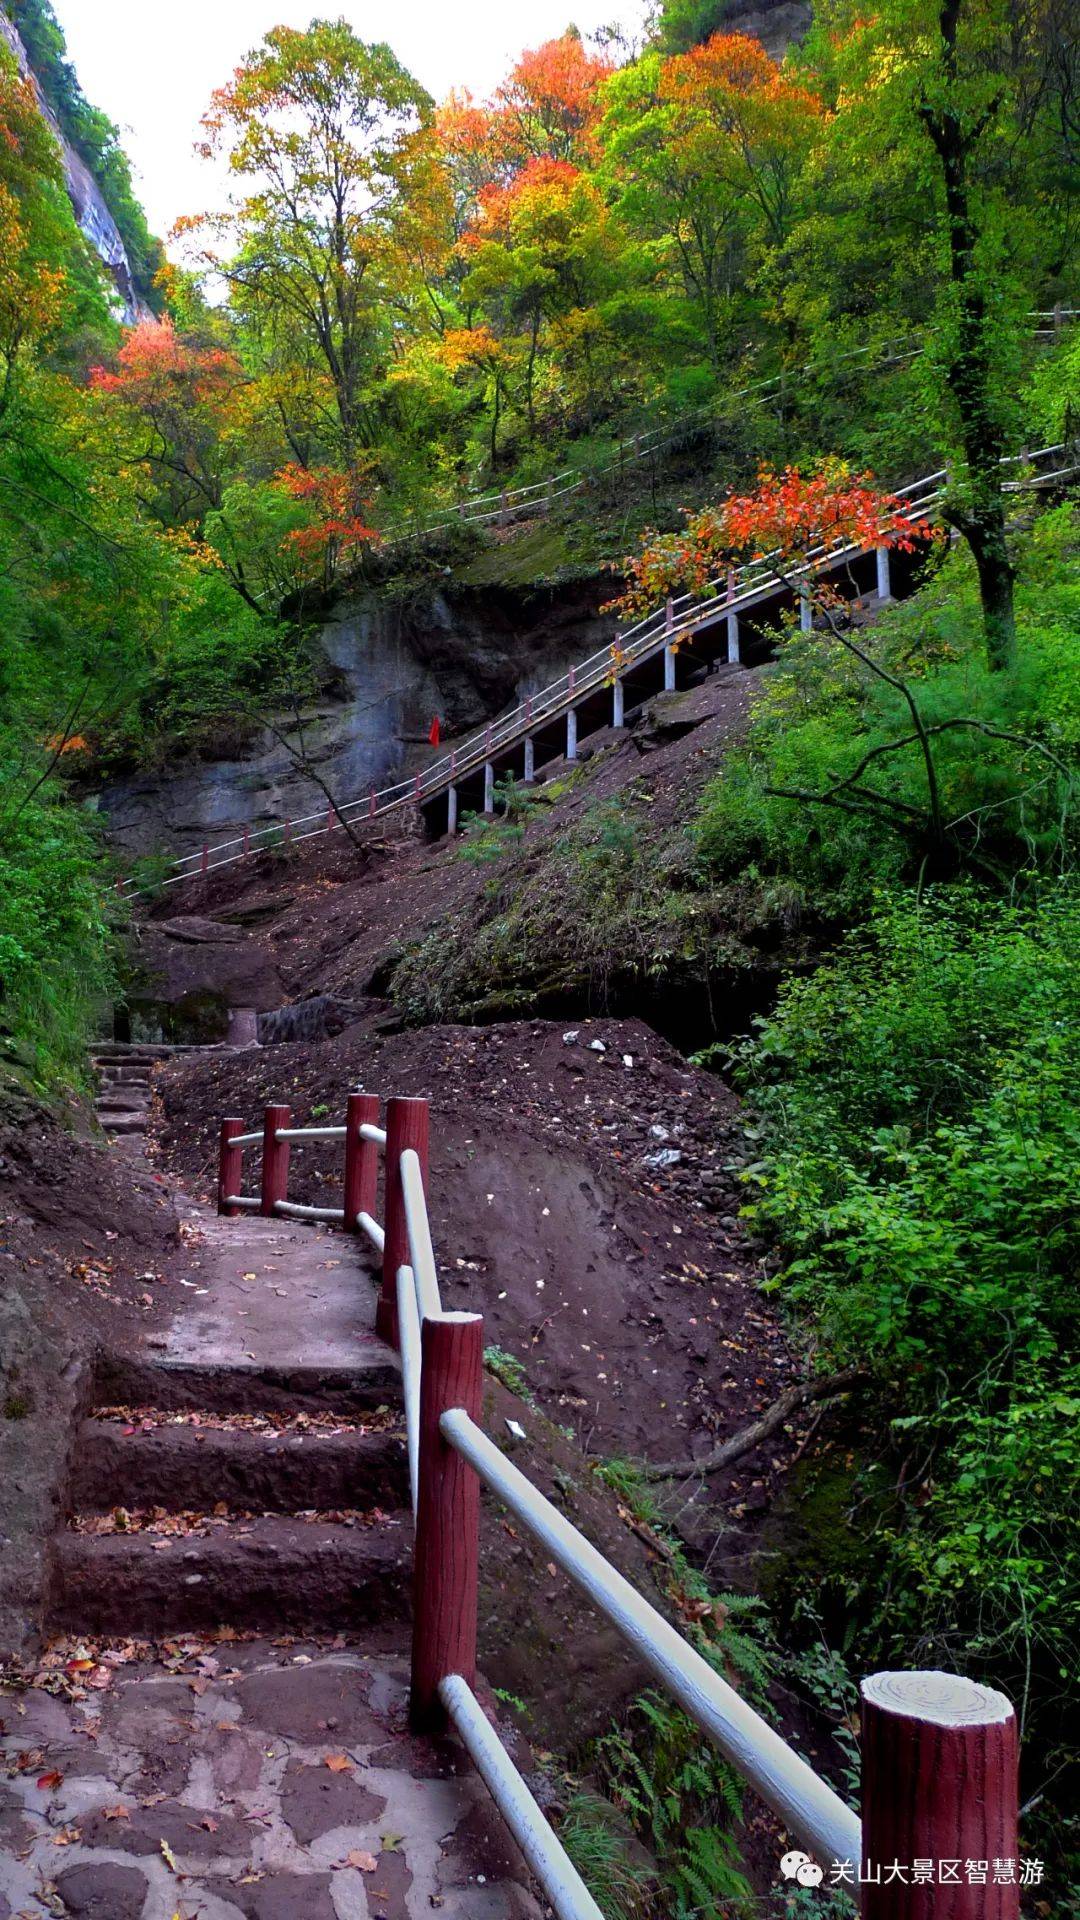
258	1576
120	1053
121	1100
124	1122
196	1467
125	1076
370	1379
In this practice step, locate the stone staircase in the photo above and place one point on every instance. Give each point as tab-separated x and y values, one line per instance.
238	1497
123	1101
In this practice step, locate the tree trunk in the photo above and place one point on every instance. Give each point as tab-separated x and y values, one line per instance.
969	367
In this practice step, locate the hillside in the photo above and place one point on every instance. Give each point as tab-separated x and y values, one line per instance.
561	610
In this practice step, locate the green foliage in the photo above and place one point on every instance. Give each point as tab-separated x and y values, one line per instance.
508	1368
664	1775
57	938
597	1842
921	1145
1003	747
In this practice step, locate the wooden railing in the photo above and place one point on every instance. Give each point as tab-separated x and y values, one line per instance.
668	627
938	1834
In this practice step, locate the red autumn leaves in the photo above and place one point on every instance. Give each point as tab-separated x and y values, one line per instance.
785	518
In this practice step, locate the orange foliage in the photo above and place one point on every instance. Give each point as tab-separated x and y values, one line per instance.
728	68
551	101
548	108
339	526
785	518
153	360
537	177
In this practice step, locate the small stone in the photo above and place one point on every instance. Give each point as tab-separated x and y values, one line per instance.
667	1157
628	1059
571	1039
597	1046
660	1133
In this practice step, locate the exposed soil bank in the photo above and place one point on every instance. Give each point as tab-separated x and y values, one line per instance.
583	1197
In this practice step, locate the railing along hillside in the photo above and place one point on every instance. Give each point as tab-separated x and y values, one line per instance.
501	505
728	597
938	1834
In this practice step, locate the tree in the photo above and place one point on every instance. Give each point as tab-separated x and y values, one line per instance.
944	197
788	519
315	126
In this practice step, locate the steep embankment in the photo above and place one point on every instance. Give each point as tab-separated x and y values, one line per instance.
585	900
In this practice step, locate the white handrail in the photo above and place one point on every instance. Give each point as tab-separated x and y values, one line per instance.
375	1233
310	1133
295	1210
243	1200
247	1140
756	581
410	1349
418	1227
544	1852
377	1135
782	1778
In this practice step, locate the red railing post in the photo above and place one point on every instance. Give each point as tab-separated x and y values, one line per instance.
939	1797
361	1159
371	805
275	1159
230	1163
406	1126
447	1553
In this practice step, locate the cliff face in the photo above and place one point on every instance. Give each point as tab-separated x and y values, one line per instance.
776	23
389	666
93	216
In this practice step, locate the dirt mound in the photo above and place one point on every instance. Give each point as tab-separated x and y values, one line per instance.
584	1189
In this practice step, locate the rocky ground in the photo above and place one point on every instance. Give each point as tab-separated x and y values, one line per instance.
210	1778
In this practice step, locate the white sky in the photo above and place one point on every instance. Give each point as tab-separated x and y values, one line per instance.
155	81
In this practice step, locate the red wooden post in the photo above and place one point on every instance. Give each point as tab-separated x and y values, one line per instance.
275	1159
230	1161
447	1554
669	616
329	819
406	1126
361	1159
939	1769
571	680
371	805
416	787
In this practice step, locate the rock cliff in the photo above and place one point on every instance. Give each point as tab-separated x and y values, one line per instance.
93	216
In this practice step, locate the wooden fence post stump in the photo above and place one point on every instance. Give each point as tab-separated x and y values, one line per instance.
940	1799
275	1159
406	1126
447	1518
230	1162
361	1159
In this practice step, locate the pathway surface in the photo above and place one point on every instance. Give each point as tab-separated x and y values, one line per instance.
239	1481
245	1781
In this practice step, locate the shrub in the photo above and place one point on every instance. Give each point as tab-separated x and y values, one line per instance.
919	1098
